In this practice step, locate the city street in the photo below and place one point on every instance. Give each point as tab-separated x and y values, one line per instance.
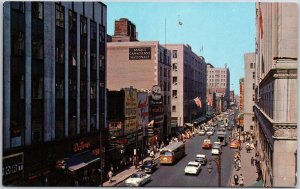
173	175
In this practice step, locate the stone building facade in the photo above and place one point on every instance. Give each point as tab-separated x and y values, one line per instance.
54	80
188	82
276	92
249	65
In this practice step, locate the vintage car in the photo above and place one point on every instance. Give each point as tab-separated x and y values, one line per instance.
234	144
149	166
206	144
216	149
201	132
138	179
201	158
192	167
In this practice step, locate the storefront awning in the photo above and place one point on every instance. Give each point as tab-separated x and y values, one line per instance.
78	161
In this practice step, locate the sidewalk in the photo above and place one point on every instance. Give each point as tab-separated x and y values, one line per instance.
117	179
248	170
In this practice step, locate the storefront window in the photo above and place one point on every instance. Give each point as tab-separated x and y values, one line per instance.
59	13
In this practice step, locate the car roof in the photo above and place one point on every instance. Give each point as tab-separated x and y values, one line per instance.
193	163
217	142
206	140
200	155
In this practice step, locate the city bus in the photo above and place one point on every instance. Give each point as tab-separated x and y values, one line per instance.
172	153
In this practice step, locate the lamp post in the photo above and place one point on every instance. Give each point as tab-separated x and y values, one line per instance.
218	163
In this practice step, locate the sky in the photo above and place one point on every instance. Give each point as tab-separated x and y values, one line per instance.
225	30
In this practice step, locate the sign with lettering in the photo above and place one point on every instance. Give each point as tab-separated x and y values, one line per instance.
130	110
141	53
12	168
142	111
78	146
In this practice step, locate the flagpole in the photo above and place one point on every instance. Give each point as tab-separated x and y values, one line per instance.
165	32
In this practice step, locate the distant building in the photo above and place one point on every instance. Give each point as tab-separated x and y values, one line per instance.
188	83
276	92
232	96
218	81
125	31
249	65
54	103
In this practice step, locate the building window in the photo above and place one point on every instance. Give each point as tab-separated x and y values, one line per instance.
160	71
93	61
174	93
37	48
60	19
174	52
253	75
72	88
37	88
83	26
102	34
93	30
37	10
19	6
22	87
169	75
253	86
174	80
168	99
83	58
165	72
73	56
59	88
72	22
93	90
60	53
18	43
253	118
173	108
174	67
252	65
101	62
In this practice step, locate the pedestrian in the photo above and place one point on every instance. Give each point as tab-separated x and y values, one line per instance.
110	175
252	161
241	180
236	179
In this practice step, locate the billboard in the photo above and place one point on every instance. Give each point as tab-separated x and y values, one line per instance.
130	112
142	110
141	53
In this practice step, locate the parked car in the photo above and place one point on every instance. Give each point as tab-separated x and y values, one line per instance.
216	149
201	158
138	179
201	132
192	167
234	144
207	144
149	166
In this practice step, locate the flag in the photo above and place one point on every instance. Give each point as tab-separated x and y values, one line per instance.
198	102
261	24
180	23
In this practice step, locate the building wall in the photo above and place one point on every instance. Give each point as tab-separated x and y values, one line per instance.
33	94
276	75
188	82
249	61
140	72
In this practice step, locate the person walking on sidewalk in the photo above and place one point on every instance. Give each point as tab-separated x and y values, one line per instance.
110	175
236	179
241	180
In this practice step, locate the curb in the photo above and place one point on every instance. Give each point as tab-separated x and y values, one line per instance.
136	170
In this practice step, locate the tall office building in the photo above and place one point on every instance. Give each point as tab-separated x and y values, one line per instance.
249	65
54	85
276	92
188	83
218	83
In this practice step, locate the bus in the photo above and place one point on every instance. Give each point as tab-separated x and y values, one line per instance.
172	153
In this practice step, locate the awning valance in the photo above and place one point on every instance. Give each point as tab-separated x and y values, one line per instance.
78	161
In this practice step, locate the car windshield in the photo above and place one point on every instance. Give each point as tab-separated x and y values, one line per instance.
136	176
148	163
192	165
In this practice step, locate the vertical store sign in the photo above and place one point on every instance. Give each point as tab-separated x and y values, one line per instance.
130	110
142	111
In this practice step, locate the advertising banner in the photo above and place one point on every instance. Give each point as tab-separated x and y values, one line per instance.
142	111
130	110
141	53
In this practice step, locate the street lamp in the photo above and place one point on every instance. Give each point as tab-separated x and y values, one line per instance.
210	167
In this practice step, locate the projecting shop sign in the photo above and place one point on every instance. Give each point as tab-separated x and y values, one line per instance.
142	53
